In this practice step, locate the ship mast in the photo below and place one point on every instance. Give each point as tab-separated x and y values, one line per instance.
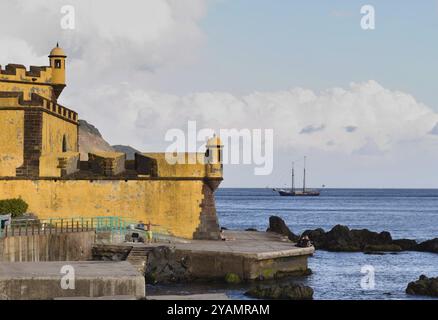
304	175
293	178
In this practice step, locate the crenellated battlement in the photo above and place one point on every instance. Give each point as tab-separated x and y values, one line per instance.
15	100
19	69
47	81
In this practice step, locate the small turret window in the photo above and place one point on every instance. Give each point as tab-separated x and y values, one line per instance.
58	63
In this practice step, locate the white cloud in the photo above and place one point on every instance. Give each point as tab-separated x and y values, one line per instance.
387	119
113	40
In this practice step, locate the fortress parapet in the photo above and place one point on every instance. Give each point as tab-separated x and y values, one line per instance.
16	101
59	164
15	72
107	163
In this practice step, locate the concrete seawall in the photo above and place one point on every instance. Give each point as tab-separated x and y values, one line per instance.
44	280
73	246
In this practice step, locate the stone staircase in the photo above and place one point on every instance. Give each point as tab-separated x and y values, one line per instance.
138	258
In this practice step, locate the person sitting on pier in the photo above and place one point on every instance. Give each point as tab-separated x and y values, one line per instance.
304	242
223	237
140	225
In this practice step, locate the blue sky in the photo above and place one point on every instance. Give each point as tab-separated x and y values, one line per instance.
273	45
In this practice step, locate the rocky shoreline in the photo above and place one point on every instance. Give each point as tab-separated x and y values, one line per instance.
342	239
424	286
288	291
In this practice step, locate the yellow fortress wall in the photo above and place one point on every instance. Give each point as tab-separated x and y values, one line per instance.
27	89
40	163
11	141
173	204
57	132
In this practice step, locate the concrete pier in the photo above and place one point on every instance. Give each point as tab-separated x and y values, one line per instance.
43	280
250	255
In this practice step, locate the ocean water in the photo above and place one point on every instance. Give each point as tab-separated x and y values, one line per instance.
405	213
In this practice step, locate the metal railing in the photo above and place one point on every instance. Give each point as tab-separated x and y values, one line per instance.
111	224
39	227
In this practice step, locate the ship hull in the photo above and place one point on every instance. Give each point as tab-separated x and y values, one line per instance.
299	193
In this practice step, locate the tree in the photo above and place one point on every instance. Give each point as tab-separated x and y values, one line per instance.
15	207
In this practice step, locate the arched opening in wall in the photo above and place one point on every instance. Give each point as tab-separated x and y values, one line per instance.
64	144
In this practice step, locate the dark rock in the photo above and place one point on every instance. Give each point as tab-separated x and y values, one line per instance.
376	248
110	252
165	266
277	225
406	244
251	229
424	287
368	237
376	253
317	236
428	246
282	292
341	238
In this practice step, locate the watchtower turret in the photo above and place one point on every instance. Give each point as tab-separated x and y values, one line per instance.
214	157
57	63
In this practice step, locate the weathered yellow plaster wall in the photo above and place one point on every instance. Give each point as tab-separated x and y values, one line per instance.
52	165
181	169
27	88
174	204
54	130
188	165
11	141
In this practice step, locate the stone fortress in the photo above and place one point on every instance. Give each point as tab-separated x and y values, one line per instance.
40	163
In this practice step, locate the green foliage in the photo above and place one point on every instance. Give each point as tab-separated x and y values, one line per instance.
268	274
232	278
15	207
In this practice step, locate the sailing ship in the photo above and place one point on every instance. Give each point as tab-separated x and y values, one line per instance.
295	192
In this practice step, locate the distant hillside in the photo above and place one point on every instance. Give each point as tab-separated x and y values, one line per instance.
130	151
90	140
